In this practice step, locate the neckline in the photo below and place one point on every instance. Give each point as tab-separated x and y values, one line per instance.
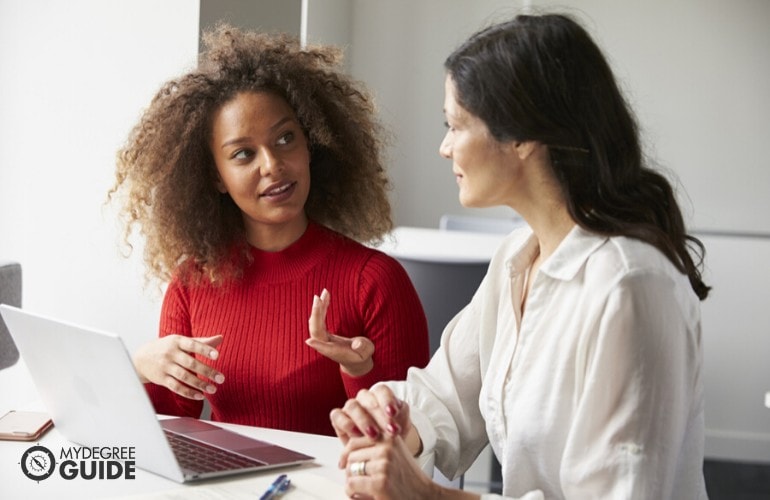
294	261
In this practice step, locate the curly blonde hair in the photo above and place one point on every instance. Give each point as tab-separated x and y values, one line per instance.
167	174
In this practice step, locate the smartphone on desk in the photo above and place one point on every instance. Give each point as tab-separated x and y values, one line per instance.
24	425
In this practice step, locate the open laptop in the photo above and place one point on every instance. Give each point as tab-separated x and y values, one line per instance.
87	382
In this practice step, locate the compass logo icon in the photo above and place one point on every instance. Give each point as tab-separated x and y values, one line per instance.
38	463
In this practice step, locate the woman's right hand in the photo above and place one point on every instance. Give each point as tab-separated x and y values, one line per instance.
372	413
170	362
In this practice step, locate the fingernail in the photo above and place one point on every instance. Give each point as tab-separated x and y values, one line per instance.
393	429
357	432
198	396
400	403
219	378
214	354
324	294
372	432
391	410
211	389
355	344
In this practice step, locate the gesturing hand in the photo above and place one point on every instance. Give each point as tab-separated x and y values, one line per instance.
170	361
354	355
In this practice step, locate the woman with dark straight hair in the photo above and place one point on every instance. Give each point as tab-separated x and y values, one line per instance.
591	133
579	358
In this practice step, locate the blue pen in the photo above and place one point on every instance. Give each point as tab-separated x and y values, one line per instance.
279	486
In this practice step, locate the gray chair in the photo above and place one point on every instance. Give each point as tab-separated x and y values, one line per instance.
444	289
10	293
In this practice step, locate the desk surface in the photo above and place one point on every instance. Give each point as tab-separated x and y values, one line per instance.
318	480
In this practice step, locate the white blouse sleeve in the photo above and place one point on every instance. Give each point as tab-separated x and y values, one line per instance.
444	396
636	380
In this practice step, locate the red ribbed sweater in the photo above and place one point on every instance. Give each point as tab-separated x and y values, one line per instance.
272	378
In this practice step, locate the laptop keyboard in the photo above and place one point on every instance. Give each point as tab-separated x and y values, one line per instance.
201	457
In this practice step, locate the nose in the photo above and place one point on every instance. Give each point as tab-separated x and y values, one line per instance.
270	164
445	148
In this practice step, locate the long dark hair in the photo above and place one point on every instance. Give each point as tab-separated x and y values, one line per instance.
542	78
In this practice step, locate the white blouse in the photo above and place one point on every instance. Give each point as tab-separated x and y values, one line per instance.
595	392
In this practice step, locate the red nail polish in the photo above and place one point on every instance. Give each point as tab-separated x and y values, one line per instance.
372	432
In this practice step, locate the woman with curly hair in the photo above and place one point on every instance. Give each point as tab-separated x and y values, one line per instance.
254	179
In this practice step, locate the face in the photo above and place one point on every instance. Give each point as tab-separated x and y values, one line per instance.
262	158
485	169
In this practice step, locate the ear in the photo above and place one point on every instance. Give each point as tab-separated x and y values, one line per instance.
525	149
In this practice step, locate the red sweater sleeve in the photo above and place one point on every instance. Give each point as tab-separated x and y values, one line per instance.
393	320
174	319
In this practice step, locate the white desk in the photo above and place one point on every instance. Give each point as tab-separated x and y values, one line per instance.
439	246
318	480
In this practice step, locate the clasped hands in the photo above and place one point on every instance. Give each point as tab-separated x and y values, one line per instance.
380	443
170	361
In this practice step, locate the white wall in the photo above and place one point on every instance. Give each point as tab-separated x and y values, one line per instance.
696	71
74	77
698	74
262	15
398	48
328	22
736	344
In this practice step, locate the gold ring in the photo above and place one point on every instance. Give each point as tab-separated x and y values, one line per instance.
358	469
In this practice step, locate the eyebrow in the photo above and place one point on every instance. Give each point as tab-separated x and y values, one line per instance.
275	126
452	116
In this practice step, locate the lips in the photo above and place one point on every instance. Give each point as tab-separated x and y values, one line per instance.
277	189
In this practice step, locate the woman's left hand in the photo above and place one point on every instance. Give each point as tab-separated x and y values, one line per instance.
384	469
354	355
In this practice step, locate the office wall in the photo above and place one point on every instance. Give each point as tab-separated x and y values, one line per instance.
74	77
329	22
398	48
262	15
698	74
736	343
696	71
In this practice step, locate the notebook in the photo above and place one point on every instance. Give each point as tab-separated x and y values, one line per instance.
87	382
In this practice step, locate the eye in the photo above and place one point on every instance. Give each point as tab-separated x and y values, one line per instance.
242	154
286	138
449	127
